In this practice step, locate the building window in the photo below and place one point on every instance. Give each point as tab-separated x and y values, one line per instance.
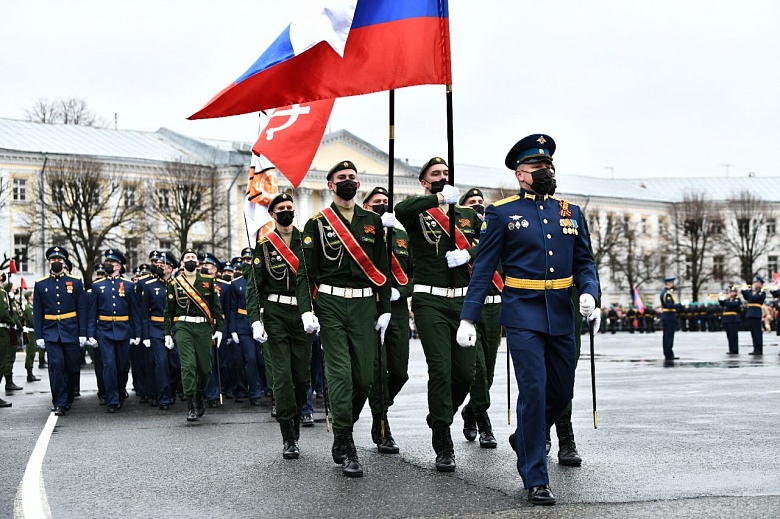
20	190
716	227
131	253
129	196
58	193
166	245
21	246
643	226
771	227
771	264
662	226
164	198
718	267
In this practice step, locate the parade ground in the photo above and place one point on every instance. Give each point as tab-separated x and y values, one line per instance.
698	438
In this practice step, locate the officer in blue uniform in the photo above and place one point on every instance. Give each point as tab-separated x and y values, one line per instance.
153	302
114	325
730	319
669	307
544	248
141	357
60	325
755	299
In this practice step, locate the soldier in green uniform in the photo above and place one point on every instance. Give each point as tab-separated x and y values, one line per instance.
437	301
276	321
193	303
9	323
474	413
395	354
345	256
29	333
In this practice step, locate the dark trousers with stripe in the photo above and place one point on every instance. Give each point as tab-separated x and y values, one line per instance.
116	367
64	369
162	371
732	330
668	339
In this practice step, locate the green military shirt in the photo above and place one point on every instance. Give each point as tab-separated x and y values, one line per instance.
28	315
430	243
7	314
325	260
179	303
269	274
402	251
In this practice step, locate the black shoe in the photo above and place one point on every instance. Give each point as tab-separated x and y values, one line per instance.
541	495
336	451
200	409
112	409
42	365
59	411
77	393
164	407
144	400
240	399
751	353
31	377
567	449
290	450
212	403
307	420
10	386
192	416
445	450
350	466
273	411
384	444
3	403
469	423
101	400
486	438
732	353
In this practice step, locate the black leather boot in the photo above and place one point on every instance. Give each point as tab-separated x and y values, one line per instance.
567	449
191	416
290	451
541	495
337	450
486	438
31	377
9	384
384	444
351	466
200	408
469	422
445	450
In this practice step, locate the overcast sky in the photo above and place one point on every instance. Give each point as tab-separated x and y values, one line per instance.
634	88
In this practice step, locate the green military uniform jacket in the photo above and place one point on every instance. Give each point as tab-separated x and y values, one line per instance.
8	314
179	304
402	251
325	260
269	274
430	243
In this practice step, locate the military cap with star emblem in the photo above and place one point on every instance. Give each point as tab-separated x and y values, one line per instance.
210	258
113	254
281	197
189	250
56	252
228	267
378	190
144	268
168	258
344	164
529	150
246	252
154	255
100	268
468	194
432	162
759	279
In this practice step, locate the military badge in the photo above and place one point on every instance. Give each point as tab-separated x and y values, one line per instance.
565	211
121	289
170	296
369	229
308	241
483	228
256	261
524	224
464	222
515	217
69	287
511	226
402	244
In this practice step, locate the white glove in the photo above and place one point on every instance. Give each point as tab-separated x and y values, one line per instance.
381	325
169	342
258	332
82	341
388	220
467	334
395	295
217	337
135	341
587	304
40	343
595	320
310	323
450	194
26	329
234	337
456	258
147	343
92	342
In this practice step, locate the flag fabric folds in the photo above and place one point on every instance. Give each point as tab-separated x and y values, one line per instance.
638	304
262	187
292	137
387	44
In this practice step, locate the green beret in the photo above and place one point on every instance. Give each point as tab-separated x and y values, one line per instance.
188	250
27	293
433	161
471	192
278	199
379	190
344	164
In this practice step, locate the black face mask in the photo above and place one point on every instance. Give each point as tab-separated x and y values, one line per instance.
438	186
480	209
190	266
56	267
379	209
346	189
109	269
227	277
285	218
544	182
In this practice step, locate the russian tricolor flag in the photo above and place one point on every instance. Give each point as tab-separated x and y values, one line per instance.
340	48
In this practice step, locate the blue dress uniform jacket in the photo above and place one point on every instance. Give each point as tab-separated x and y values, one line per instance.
534	238
60	309
731	309
755	301
114	310
153	304
669	305
238	319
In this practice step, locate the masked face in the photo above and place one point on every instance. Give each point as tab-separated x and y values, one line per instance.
190	266
480	209
438	186
56	267
379	209
346	189
110	269
544	182
286	218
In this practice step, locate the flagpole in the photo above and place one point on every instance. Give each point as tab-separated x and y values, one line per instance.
451	163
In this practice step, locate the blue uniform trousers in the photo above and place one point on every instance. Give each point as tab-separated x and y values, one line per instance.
251	359
64	366
756	333
146	385
668	339
544	369
116	366
732	330
162	371
97	364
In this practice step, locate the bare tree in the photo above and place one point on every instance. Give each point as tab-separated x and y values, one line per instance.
89	207
186	196
4	191
630	259
694	219
70	110
746	235
604	235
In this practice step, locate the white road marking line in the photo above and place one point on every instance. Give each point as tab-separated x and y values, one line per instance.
31	502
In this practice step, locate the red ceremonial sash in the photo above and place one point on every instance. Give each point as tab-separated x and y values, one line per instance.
398	271
195	297
282	248
460	240
353	247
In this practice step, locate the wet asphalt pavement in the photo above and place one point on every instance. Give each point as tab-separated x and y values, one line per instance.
694	439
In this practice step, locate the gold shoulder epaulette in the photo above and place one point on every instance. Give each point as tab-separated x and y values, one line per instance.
207	276
506	200
44	277
262	240
72	276
150	281
316	216
126	279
